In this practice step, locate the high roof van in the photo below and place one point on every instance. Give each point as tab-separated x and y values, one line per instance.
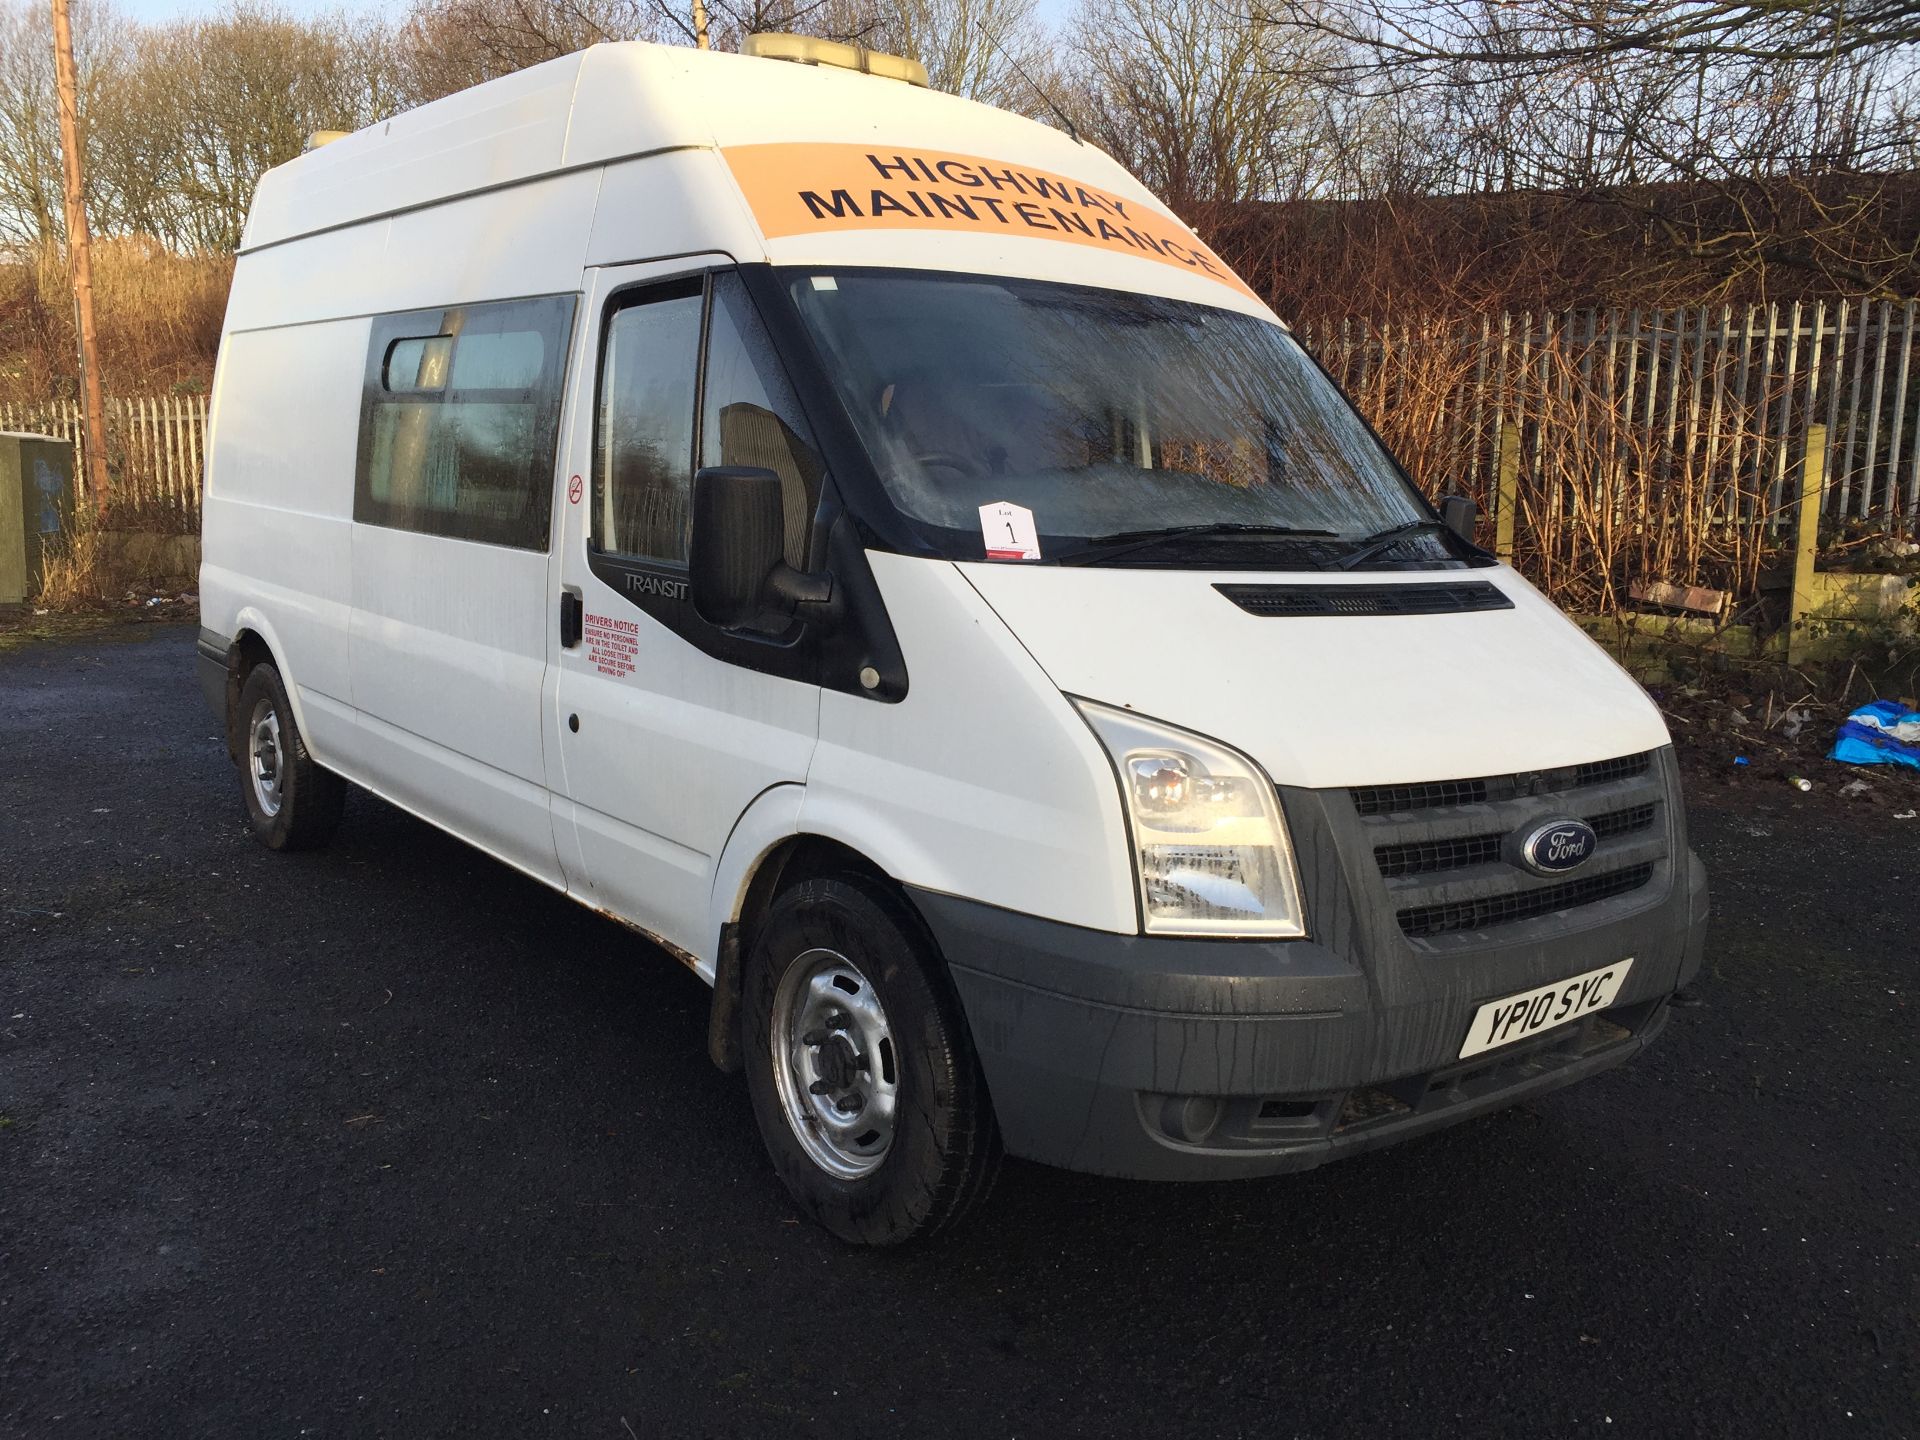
862	540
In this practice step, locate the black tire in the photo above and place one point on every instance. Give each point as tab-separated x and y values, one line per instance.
945	1147
301	810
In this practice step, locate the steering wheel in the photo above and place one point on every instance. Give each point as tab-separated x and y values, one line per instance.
948	460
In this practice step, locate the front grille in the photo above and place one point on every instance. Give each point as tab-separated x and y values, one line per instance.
1423	857
1605	772
1463	597
1622	822
1481	914
1397	799
1431	795
1447	851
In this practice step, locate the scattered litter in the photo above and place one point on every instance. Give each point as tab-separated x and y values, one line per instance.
1792	722
1800	782
1905	814
1884	732
1741	760
1697	598
1856	787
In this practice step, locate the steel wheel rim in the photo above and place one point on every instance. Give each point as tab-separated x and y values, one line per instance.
264	760
834	1064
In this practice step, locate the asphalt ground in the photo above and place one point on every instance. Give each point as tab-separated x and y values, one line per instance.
389	1140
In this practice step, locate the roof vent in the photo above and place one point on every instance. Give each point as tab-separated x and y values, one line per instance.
812	50
323	137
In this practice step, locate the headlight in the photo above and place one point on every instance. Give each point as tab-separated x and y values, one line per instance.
1209	842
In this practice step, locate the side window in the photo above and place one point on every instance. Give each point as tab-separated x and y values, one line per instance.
459	419
643	471
749	415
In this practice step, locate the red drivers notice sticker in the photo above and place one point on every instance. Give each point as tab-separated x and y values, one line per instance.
611	644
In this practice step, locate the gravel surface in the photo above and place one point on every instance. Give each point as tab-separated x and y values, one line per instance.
389	1140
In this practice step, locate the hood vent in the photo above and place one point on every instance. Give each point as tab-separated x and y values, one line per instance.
1444	598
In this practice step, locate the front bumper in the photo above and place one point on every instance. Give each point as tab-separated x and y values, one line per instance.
1175	1059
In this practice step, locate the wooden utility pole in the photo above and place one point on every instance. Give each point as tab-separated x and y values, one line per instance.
80	254
700	24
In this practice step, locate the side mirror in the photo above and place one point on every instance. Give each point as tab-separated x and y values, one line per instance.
1459	514
736	560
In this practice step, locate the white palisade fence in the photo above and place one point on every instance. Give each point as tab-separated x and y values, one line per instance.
156	454
1713	397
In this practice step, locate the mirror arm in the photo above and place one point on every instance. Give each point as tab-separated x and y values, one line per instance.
808	595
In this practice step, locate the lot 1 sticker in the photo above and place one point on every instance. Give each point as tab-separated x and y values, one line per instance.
612	644
1008	531
805	189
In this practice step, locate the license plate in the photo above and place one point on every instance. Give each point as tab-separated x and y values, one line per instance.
1501	1022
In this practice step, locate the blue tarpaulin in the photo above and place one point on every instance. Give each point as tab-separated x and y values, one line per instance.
1883	733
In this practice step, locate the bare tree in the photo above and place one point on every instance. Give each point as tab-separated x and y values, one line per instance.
448	45
1418	40
202	107
1747	138
30	206
1203	103
993	51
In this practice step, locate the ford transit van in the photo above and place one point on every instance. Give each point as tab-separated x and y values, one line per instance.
863	541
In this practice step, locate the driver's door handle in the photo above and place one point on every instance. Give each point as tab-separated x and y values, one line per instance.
572	618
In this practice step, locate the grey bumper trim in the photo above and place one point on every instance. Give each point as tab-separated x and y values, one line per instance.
1086	1037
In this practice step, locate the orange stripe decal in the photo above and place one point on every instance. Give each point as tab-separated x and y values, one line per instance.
809	189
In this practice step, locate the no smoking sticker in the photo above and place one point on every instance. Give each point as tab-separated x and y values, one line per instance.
573	490
1008	531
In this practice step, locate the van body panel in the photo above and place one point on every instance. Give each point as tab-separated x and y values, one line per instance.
1333	700
772	818
660	747
512	129
276	519
531	240
982	781
449	651
680	203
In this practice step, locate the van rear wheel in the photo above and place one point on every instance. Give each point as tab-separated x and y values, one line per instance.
292	803
863	1076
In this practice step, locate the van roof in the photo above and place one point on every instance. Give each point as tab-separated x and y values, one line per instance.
619	101
824	165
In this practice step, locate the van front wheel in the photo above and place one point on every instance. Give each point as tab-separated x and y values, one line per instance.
863	1077
292	802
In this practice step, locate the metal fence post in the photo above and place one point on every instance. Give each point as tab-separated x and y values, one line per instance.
1509	490
1806	545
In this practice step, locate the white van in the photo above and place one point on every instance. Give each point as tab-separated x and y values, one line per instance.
861	540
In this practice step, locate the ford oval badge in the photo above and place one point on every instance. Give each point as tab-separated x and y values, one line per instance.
1558	846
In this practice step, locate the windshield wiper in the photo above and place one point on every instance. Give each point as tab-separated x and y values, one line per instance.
1386	539
1101	548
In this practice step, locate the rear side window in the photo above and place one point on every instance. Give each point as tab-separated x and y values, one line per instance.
459	420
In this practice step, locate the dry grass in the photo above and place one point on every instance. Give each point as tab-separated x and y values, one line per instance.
158	314
91	568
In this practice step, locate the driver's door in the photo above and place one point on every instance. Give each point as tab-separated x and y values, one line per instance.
662	745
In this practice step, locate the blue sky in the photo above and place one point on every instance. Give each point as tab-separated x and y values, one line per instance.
1051	10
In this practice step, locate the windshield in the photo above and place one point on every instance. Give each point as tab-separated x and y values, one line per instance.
1105	414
